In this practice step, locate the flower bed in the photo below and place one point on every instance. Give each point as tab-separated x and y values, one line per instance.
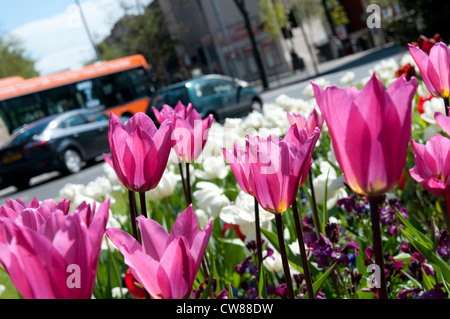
318	198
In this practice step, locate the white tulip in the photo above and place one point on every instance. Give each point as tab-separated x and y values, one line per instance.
213	167
210	198
334	185
165	187
242	213
430	107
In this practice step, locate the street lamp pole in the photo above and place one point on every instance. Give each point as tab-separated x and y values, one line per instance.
87	31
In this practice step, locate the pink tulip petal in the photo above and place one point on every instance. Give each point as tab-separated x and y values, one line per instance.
154	237
186	225
48	278
178	265
421	59
239	162
198	247
443	121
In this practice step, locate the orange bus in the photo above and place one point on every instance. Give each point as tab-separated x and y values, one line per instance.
121	86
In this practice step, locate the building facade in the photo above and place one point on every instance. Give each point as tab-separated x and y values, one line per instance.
212	38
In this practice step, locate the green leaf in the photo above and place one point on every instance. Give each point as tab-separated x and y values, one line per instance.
424	246
319	282
262	285
230	291
413	232
205	294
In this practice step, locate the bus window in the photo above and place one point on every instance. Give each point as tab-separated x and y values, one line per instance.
23	110
59	99
87	95
4	130
140	82
115	89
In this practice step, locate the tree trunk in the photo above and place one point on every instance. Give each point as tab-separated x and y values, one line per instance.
241	6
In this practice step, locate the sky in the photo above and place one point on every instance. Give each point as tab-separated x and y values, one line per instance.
52	31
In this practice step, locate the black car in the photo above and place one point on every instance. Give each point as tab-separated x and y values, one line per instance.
60	142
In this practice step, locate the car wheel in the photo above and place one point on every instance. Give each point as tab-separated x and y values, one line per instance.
21	182
71	161
257	105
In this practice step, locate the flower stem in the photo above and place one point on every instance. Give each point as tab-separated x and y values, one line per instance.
143	204
301	245
133	213
183	182
188	183
258	234
447	214
447	104
281	243
314	204
377	244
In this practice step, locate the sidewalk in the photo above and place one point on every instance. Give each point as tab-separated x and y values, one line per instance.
331	66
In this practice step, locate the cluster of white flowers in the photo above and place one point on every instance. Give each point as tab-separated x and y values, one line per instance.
242	213
97	190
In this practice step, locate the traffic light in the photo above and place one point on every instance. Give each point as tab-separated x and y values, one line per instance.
292	18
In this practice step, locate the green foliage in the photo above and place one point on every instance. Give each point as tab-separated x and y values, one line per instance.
144	33
14	60
273	16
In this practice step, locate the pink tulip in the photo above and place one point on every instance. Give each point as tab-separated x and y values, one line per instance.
314	120
165	264
443	121
434	68
370	131
239	162
139	151
278	167
432	160
432	165
190	131
50	253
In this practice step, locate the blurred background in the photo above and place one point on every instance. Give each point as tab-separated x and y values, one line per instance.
255	40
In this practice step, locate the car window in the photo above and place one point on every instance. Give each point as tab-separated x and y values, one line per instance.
211	87
72	121
22	135
203	89
222	86
175	95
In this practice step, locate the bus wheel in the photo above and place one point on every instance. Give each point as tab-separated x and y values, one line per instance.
71	161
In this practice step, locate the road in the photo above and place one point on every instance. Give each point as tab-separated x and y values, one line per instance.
47	186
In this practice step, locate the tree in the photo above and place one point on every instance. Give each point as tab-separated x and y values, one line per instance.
262	73
14	60
273	16
420	17
141	31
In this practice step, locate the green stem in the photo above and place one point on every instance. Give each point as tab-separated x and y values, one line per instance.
143	204
258	235
447	104
281	243
314	205
133	213
301	244
378	245
183	182
447	213
188	184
